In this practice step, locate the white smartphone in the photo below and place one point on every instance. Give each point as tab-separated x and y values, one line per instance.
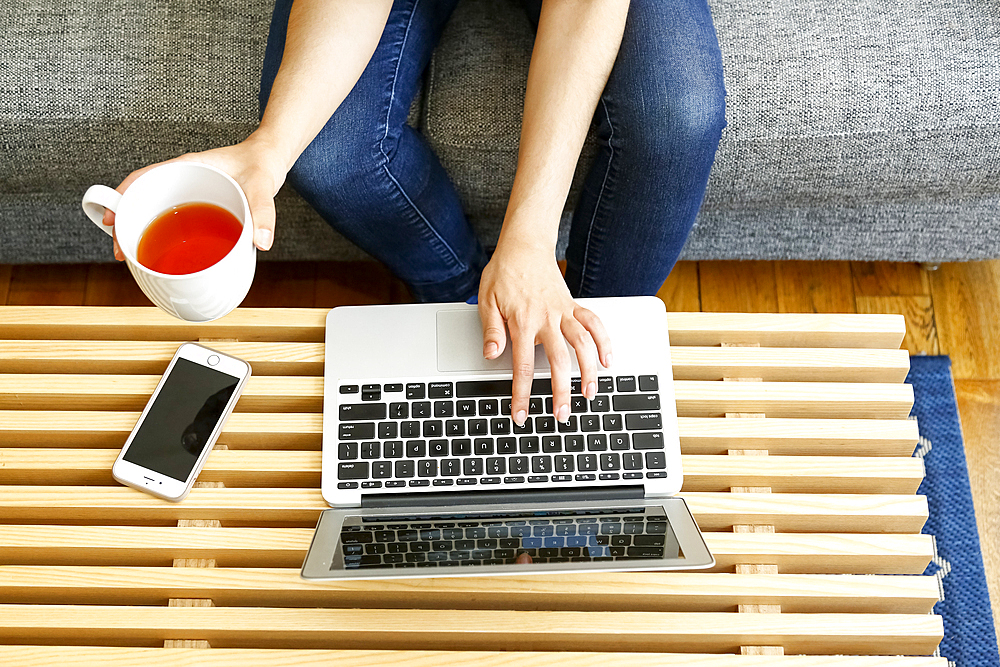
176	431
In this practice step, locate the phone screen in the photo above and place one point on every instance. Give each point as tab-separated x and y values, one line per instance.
181	420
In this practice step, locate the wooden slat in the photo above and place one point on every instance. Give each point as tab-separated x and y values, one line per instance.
772	364
846	437
813	553
25	391
149	357
236	468
876	634
714	511
136	323
787	330
283	587
794	399
306	324
44	656
803	474
82	428
689	363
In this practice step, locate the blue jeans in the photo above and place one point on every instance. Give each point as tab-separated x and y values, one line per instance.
659	120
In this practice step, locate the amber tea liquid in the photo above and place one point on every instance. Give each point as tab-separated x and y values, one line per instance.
188	238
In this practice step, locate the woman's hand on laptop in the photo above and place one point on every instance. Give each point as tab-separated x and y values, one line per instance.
523	288
253	164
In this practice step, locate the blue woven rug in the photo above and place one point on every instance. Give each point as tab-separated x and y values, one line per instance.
969	635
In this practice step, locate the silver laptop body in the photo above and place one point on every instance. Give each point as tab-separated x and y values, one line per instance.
429	477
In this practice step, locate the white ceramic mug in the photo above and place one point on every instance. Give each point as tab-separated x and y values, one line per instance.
196	297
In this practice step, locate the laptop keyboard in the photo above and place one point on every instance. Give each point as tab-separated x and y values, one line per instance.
450	435
601	536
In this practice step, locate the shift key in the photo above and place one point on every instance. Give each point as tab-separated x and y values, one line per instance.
362	412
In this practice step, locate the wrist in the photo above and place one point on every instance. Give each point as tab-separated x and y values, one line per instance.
271	152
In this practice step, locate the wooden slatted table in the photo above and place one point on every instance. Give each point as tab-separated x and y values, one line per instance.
796	449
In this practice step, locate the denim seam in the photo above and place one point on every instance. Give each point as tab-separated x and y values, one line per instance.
600	196
381	147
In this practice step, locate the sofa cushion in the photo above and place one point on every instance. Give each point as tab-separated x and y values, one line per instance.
862	131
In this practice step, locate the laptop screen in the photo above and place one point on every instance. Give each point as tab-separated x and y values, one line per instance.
620	535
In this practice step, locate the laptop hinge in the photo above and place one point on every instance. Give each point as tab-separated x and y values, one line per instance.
503	497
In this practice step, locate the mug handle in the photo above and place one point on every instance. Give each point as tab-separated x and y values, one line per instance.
96	199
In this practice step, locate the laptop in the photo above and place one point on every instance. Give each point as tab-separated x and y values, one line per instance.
427	474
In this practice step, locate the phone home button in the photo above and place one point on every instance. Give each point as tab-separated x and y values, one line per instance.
213	360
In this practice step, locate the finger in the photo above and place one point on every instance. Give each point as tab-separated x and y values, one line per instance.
522	342
600	335
119	255
262	214
123	186
559	364
586	355
494	333
523	558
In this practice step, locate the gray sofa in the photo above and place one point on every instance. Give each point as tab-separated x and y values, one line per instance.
855	130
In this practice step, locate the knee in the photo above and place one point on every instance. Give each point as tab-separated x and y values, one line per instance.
670	121
338	159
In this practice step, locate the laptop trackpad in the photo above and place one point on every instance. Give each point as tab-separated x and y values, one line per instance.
460	345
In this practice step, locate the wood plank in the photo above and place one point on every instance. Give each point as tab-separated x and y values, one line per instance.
799	474
918	311
32	391
967	309
876	634
812	553
282	284
353	284
112	285
147	357
772	364
790	399
889	279
125	323
979	408
43	656
814	287
80	428
307	325
618	591
5	272
235	468
739	287
28	391
48	284
266	358
787	329
827	437
680	291
787	512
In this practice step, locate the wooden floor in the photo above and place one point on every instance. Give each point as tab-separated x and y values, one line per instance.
954	310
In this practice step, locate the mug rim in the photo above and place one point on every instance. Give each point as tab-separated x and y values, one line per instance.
247	229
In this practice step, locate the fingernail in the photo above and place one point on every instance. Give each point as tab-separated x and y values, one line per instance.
562	414
520	417
607	360
591	390
263	239
491	350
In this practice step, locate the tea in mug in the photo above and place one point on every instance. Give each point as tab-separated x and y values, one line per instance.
188	238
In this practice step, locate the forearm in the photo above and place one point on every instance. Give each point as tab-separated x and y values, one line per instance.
328	46
575	49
